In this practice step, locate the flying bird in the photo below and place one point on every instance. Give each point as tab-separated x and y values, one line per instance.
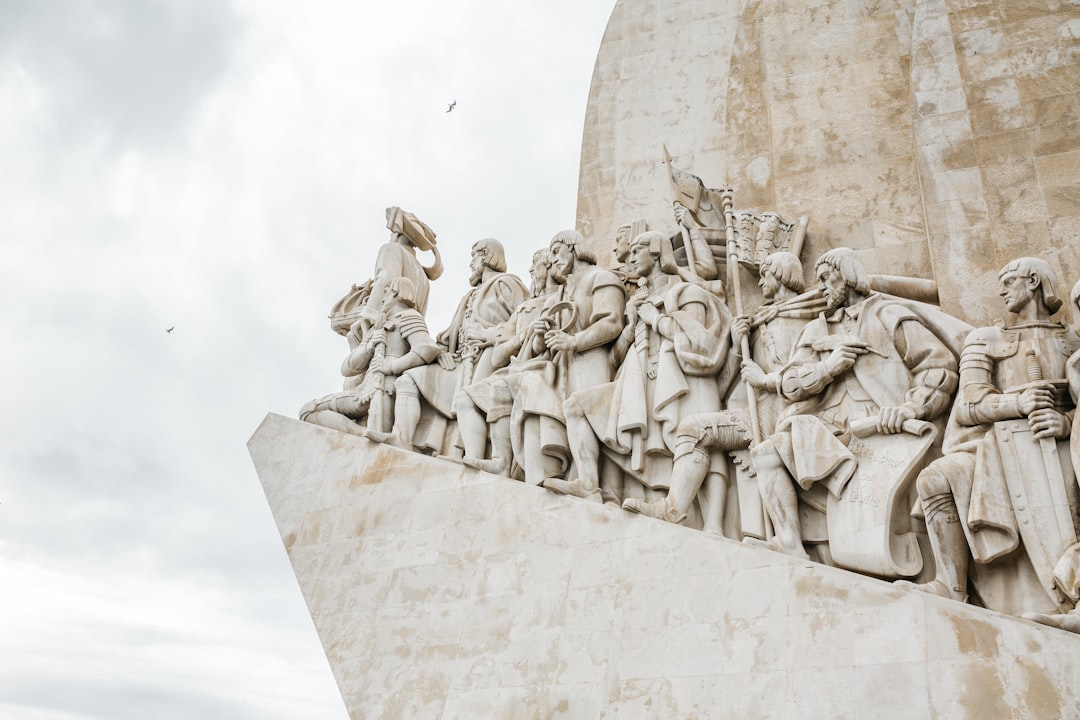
451	106
171	329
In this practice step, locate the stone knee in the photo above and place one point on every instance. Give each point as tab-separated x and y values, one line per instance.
936	495
406	386
572	409
308	408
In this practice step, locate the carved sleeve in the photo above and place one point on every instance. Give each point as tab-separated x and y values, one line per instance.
806	375
933	369
979	402
606	321
422	348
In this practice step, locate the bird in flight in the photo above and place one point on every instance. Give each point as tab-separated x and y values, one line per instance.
451	106
171	329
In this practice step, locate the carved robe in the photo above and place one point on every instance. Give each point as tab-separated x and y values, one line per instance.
906	364
599	300
661	380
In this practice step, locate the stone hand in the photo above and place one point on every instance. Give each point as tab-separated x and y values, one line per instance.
1049	423
376	337
740	329
843	357
558	341
446	361
648	312
1036	398
684	217
477	334
752	374
540	327
892	419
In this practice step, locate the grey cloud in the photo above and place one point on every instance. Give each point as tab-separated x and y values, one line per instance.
131	70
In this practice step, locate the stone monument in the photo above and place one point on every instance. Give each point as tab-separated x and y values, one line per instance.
763	468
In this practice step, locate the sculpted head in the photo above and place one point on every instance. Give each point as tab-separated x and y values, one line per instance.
648	250
486	253
1029	279
839	272
538	270
780	269
568	247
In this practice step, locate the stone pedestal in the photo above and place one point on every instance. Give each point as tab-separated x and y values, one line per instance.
439	592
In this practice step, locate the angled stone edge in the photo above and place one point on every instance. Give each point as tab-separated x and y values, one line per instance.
438	591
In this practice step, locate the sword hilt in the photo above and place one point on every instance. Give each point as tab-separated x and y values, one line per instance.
1034	369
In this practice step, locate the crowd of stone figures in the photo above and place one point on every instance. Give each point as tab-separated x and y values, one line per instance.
851	422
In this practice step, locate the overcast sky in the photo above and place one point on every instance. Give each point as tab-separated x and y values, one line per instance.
224	168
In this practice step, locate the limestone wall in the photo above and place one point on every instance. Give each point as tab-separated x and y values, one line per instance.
940	138
439	592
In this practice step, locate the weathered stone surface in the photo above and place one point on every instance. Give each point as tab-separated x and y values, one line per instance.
933	136
438	591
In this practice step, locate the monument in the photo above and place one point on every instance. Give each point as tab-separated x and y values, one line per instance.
781	462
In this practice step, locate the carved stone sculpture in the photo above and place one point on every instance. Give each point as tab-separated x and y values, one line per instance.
399	340
868	367
487	402
702	439
672	347
397	258
571	342
1004	494
466	352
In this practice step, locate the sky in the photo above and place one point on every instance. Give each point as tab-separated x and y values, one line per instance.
223	168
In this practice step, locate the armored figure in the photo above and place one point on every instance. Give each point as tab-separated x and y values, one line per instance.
398	341
1004	495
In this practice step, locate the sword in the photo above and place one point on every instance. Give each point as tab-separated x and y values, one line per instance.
1052	462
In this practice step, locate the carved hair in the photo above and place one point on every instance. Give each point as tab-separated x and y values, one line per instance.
787	269
543	255
494	255
405	290
660	247
1027	267
851	269
574	240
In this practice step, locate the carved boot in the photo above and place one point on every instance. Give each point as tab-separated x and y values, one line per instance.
495	466
950	549
575	488
662	509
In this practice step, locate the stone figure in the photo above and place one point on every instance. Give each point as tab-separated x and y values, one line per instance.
483	407
397	258
399	340
466	352
671	348
702	439
571	341
869	366
1004	494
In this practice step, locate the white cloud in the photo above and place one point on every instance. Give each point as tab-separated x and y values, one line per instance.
224	170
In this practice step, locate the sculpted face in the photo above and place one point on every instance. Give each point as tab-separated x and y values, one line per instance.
768	283
641	260
562	262
538	273
1016	291
477	263
832	286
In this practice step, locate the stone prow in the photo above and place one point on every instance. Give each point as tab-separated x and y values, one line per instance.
438	591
